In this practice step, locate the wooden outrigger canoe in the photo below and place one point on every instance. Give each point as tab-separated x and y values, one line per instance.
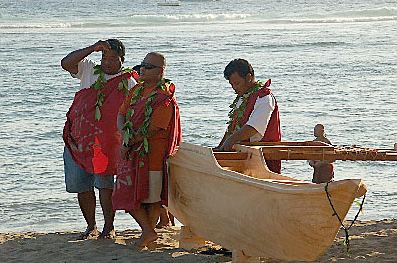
232	199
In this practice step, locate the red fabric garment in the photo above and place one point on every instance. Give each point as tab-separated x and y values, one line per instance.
273	130
94	145
173	143
132	181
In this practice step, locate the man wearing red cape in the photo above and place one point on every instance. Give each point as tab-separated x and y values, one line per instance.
150	126
254	114
90	133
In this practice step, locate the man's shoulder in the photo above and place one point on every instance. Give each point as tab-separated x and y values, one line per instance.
85	67
168	88
265	99
88	61
86	64
322	139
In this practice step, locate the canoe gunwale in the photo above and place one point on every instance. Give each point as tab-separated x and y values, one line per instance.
274	185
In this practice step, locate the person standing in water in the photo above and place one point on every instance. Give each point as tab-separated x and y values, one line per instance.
323	170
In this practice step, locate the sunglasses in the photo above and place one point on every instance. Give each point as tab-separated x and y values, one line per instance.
148	65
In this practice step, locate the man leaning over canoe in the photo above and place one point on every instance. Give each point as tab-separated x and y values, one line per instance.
254	114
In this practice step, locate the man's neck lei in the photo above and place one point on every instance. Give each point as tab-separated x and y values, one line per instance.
143	130
100	83
240	109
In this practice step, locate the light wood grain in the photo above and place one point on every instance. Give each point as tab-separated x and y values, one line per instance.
254	211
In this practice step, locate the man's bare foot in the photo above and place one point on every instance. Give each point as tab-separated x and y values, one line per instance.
146	239
171	218
90	233
108	233
162	224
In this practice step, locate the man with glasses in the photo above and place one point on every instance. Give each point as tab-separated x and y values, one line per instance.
150	126
90	133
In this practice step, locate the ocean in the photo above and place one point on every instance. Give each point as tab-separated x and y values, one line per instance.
331	62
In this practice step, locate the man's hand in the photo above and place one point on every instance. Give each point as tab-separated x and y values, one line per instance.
227	146
101	46
123	152
71	61
243	134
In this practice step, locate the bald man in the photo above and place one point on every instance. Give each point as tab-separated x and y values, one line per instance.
150	125
323	170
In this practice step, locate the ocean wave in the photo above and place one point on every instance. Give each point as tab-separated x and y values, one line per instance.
367	15
190	18
27	25
131	20
330	20
378	12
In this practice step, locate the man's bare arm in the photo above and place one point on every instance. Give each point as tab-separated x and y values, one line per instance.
243	134
71	61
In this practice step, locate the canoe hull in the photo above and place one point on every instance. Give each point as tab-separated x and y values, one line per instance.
282	219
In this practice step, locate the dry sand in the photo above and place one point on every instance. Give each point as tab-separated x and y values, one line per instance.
371	241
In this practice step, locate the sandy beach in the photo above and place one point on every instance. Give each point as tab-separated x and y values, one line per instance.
371	241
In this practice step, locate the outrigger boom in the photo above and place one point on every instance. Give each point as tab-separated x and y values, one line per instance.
312	151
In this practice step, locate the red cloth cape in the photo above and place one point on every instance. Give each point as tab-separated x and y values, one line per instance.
273	130
94	145
132	181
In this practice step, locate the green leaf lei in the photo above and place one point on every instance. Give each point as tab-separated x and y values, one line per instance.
100	83
143	130
240	110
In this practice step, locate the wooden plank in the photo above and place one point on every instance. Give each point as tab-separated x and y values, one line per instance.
311	153
237	165
299	148
286	143
230	155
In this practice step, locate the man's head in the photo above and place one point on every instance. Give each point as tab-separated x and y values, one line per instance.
152	67
319	130
113	59
240	75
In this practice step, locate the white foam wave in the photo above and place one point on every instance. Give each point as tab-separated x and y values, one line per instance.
332	20
33	25
378	12
370	15
190	18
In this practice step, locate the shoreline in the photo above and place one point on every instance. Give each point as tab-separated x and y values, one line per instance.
370	241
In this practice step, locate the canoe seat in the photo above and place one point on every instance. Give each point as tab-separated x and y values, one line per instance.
233	161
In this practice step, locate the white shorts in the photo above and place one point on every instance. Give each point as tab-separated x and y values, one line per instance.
155	187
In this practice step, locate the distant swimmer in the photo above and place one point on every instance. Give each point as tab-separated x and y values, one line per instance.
323	170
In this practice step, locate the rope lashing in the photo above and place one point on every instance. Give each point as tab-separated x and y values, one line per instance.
346	229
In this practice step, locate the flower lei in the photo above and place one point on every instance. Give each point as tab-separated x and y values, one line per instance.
240	110
100	83
143	130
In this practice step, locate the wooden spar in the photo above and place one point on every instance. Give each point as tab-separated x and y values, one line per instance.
230	156
286	143
319	153
311	151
